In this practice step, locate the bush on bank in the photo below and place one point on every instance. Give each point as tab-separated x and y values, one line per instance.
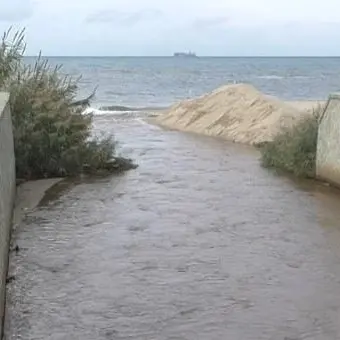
294	150
52	134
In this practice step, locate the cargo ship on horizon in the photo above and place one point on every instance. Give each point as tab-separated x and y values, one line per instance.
185	54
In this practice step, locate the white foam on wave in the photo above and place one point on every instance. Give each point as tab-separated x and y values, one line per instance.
300	77
120	113
270	77
95	111
274	77
119	116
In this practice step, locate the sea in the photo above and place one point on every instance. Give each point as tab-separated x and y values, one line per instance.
149	83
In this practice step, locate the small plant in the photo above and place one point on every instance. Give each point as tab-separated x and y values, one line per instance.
294	150
52	134
11	53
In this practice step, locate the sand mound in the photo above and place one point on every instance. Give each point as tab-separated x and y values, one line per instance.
234	112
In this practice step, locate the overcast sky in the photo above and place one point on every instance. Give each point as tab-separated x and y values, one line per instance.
161	27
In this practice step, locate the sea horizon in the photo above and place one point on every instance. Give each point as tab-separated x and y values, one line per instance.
160	81
197	56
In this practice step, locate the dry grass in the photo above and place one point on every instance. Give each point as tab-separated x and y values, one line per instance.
294	150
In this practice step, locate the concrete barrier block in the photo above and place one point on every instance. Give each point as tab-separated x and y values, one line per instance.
7	194
328	143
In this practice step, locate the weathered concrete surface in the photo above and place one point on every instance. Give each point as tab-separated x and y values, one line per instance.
328	144
28	196
7	194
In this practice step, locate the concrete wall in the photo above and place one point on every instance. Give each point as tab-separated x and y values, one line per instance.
328	146
7	193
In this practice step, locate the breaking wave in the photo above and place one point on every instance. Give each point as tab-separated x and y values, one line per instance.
124	112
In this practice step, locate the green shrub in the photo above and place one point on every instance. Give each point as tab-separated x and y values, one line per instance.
294	150
52	135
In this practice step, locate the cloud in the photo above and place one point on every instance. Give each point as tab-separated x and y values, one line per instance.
123	18
212	22
144	27
15	10
104	17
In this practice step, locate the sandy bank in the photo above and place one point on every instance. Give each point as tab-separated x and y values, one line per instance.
239	113
307	105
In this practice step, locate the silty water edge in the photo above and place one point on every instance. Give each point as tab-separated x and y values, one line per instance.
199	242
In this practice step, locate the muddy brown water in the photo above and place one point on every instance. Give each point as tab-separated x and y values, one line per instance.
198	243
